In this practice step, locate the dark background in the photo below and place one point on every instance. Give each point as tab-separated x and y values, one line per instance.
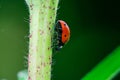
95	30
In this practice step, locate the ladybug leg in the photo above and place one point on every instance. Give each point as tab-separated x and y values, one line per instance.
60	28
59	36
58	39
60	31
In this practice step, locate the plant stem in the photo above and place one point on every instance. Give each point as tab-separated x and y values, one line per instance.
42	19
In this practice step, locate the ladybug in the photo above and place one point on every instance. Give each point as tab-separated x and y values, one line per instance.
62	34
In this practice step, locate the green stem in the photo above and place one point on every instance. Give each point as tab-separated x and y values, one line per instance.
42	19
106	69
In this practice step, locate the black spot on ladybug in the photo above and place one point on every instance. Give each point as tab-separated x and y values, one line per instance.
64	35
64	24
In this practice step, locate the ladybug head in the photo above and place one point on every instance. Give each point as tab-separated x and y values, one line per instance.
60	46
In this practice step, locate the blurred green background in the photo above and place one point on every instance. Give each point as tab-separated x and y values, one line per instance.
95	32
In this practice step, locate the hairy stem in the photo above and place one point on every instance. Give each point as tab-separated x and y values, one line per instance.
42	19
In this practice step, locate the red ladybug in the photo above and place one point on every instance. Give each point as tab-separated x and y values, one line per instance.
62	34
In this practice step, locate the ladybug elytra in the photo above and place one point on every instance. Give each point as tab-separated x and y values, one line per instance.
62	34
